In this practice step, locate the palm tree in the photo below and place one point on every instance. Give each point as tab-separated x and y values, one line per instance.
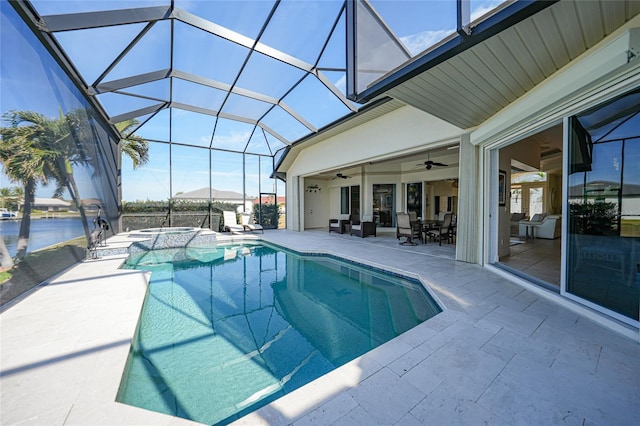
5	194
27	162
57	145
55	136
133	146
18	197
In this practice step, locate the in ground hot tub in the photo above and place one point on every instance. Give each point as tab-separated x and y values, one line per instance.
167	230
170	237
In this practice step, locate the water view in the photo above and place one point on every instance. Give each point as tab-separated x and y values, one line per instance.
44	232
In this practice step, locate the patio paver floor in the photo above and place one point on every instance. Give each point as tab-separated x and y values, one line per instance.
498	353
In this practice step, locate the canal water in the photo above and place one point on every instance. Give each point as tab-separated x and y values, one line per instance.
44	232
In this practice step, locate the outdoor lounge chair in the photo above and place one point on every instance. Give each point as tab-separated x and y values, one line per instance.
337	225
404	228
250	224
231	222
363	227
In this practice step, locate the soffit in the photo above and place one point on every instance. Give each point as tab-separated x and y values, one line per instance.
375	110
471	87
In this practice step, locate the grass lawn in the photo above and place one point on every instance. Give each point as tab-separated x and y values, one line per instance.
39	266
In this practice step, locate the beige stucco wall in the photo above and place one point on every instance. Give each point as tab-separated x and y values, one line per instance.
403	131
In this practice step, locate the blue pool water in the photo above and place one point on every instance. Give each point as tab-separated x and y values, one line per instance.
226	330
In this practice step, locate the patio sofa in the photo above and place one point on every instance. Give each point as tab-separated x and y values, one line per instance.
549	227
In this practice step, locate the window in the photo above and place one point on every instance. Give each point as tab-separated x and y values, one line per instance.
414	198
350	199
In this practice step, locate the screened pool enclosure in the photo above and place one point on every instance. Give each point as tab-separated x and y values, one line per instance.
217	91
153	113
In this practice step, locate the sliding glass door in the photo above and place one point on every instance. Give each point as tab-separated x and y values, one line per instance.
604	206
384	204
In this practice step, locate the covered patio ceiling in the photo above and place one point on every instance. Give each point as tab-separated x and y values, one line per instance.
474	85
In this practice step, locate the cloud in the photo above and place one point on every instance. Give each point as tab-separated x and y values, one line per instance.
234	140
487	7
417	43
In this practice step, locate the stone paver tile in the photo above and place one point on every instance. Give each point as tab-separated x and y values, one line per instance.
357	417
521	395
330	412
578	359
445	406
417	335
515	321
471	369
389	351
511	342
409	360
409	420
621	371
386	397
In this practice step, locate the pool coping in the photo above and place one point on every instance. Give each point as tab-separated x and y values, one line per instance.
325	385
292	406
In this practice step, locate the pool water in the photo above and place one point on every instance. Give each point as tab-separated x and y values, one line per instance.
226	330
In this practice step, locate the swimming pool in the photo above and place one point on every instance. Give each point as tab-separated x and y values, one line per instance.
226	330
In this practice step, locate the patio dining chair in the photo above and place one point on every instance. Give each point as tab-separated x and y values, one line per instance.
404	228
441	232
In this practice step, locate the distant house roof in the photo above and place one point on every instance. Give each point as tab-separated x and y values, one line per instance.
51	202
217	195
92	202
604	187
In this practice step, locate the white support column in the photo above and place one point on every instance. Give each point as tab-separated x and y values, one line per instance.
468	202
295	209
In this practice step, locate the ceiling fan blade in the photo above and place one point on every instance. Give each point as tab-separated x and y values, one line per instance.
440	164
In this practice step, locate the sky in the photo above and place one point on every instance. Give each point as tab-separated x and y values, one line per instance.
26	80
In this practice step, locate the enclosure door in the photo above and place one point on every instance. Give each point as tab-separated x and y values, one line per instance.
267	211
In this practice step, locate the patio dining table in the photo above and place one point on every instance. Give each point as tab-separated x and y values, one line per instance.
430	225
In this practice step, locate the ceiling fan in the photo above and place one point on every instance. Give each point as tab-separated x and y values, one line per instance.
429	164
340	175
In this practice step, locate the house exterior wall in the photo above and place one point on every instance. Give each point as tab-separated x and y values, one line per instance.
605	71
600	74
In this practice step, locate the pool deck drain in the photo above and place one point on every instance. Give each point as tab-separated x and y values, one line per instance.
499	353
